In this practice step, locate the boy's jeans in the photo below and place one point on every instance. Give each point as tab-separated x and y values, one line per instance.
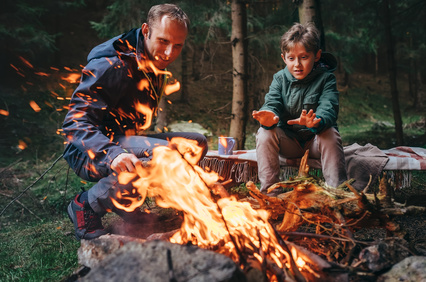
326	146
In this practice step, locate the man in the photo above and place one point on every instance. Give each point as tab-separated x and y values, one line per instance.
111	109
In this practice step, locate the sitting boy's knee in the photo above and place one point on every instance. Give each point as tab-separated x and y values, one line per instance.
263	135
330	136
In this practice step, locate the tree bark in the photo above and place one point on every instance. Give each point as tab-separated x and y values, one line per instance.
184	86
392	73
161	121
310	11
197	52
239	62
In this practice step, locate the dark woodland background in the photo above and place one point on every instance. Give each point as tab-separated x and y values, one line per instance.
43	42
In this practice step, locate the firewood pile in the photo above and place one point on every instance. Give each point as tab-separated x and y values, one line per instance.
323	220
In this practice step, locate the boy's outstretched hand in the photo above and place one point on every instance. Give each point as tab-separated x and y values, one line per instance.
266	118
309	120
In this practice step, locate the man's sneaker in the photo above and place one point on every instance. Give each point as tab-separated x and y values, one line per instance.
87	224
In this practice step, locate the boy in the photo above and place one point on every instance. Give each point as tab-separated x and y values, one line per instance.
300	110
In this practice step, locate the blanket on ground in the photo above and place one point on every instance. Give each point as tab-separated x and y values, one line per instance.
362	162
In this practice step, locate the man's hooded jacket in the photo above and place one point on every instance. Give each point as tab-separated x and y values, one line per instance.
117	95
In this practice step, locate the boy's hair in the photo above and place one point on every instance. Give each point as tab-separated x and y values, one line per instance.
174	12
308	35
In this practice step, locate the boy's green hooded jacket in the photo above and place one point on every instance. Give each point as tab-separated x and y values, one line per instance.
287	97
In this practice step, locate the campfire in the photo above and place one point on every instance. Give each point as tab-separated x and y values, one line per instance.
215	220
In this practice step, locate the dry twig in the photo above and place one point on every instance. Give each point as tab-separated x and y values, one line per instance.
29	187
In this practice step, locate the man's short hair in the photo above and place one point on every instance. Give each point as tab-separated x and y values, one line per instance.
157	12
306	34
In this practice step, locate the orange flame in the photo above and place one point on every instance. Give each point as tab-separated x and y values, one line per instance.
143	84
147	111
171	88
174	179
148	66
222	141
72	78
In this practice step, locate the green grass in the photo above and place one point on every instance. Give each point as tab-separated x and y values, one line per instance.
41	251
366	117
37	239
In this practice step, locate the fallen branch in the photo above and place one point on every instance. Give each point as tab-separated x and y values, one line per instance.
411	210
321	236
29	187
4	194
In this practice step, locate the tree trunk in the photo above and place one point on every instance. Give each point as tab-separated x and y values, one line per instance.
392	73
197	52
184	86
310	11
420	90
239	62
413	88
161	121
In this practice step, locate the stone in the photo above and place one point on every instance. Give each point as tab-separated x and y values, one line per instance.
410	269
163	261
382	256
184	126
91	252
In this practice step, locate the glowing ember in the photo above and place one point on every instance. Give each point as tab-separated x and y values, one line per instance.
41	74
4	112
22	145
26	62
34	106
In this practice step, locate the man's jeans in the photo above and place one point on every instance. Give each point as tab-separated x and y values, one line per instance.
326	146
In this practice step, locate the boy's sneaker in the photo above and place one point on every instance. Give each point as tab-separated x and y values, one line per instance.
273	193
87	224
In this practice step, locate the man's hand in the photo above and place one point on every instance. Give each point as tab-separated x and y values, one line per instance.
309	120
125	162
266	118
